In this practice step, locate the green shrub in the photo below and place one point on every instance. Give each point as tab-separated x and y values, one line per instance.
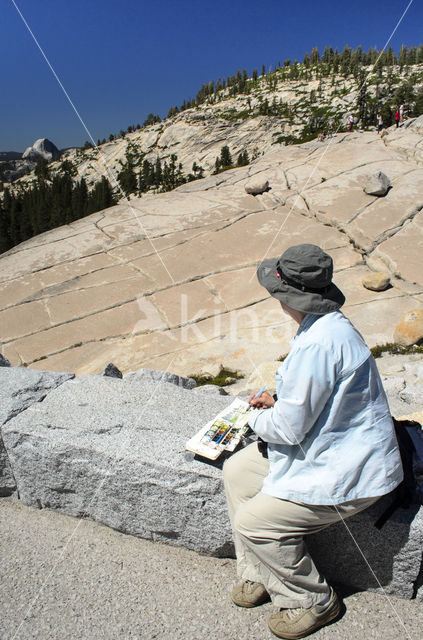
394	348
225	377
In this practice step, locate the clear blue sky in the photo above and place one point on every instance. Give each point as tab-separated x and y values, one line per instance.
122	59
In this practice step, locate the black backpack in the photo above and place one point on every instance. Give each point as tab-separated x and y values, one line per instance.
410	442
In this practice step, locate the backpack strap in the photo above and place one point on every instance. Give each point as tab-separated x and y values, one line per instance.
405	493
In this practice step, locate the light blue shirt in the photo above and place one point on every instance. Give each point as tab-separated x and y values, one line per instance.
330	433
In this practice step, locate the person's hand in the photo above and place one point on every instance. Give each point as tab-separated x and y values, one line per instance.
265	401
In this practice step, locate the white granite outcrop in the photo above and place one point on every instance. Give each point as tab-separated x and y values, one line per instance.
42	148
168	280
19	389
113	450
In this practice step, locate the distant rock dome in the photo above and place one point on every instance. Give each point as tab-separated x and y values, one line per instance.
42	148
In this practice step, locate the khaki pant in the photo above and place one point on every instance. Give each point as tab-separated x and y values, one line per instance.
268	532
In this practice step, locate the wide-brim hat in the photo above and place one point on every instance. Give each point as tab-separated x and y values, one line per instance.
302	279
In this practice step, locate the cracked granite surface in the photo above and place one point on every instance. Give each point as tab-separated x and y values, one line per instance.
167	280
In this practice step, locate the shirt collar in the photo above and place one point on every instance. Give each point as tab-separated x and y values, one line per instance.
306	323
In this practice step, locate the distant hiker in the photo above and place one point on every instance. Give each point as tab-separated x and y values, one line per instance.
350	122
401	112
379	122
330	129
397	117
321	136
326	449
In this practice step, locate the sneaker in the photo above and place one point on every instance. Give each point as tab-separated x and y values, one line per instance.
249	594
297	623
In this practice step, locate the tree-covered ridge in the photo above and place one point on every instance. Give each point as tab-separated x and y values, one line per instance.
46	203
331	62
347	63
378	76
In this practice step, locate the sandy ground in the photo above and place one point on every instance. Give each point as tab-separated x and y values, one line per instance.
63	578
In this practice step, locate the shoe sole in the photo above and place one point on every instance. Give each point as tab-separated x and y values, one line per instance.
297	636
250	605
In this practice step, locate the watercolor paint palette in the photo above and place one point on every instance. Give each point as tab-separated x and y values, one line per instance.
223	433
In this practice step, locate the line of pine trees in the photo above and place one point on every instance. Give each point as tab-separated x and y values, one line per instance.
138	176
48	203
348	61
225	162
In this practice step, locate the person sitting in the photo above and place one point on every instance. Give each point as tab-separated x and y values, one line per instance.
327	448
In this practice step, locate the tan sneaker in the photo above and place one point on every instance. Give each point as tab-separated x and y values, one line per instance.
249	594
297	623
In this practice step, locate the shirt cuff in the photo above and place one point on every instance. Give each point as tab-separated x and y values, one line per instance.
255	413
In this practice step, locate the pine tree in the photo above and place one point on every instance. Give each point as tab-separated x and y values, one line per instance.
158	175
12	210
101	196
391	58
68	168
41	169
197	170
314	56
402	56
151	119
387	116
180	178
79	200
146	176
412	56
345	61
5	239
418	107
127	178
243	159
225	157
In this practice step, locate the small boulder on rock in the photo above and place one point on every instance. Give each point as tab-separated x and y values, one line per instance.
376	281
377	184
255	187
4	362
410	329
112	371
209	370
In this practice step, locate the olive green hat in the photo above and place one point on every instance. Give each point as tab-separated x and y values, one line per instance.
302	279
